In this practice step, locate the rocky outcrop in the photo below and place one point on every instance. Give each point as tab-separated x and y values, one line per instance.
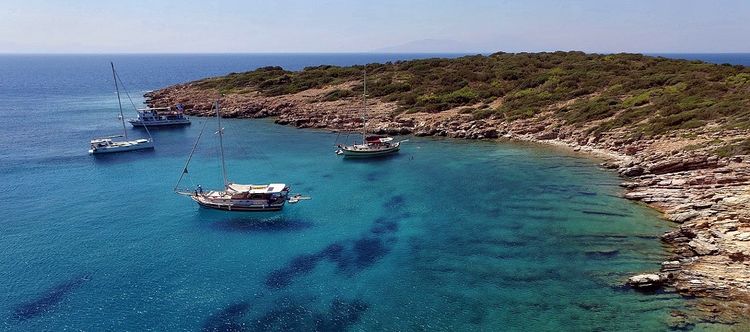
709	197
686	164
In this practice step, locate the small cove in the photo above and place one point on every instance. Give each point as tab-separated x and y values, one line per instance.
447	235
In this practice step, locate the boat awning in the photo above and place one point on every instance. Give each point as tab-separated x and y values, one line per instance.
375	139
257	189
153	109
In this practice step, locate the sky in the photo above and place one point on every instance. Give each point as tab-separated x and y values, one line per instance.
236	26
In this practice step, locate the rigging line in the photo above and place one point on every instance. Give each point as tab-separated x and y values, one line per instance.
216	155
132	103
364	106
195	145
221	144
119	102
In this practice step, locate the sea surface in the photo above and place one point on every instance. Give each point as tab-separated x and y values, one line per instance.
448	235
717	58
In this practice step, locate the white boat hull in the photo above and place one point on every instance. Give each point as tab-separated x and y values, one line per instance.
123	146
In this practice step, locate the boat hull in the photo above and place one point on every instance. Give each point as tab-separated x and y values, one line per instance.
123	148
238	208
349	153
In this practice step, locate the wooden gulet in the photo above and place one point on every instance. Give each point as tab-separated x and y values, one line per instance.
235	197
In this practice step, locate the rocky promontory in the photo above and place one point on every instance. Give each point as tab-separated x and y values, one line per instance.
677	131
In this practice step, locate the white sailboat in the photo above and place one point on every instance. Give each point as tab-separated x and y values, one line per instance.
109	144
373	145
234	197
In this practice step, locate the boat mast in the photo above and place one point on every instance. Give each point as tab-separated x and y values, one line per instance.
364	109
221	146
119	102
190	157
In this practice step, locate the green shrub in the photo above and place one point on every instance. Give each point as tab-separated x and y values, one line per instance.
337	94
462	96
482	114
735	148
637	100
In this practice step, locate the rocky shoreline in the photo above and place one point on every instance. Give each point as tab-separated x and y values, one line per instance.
677	173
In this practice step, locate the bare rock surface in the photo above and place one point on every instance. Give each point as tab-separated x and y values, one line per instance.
646	281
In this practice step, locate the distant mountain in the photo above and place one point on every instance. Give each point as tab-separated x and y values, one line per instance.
431	46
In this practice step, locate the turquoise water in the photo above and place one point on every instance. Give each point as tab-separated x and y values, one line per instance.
447	235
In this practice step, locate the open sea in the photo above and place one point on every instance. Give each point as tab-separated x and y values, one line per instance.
448	235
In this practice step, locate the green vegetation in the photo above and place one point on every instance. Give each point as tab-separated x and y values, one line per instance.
650	94
337	94
740	146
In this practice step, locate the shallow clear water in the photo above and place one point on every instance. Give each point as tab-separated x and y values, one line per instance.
447	235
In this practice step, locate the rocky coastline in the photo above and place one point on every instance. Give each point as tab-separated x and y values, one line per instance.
707	196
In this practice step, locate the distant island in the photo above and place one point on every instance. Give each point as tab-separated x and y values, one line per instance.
678	129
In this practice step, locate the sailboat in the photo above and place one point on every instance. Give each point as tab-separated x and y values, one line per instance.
373	145
108	144
234	197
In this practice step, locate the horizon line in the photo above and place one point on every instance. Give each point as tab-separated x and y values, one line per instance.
468	52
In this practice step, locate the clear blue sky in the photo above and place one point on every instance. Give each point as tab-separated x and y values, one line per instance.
172	26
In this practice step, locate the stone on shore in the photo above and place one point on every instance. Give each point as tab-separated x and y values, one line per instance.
682	217
702	247
646	281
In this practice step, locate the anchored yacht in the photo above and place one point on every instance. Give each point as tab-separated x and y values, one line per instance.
371	146
234	197
374	146
109	144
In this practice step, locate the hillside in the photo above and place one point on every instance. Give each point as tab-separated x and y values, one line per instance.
646	96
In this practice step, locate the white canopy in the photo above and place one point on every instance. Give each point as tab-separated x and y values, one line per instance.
154	109
257	189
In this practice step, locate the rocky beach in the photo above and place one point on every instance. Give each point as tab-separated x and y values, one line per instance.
692	175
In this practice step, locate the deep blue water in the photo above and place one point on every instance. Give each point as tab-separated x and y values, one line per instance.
448	235
717	58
